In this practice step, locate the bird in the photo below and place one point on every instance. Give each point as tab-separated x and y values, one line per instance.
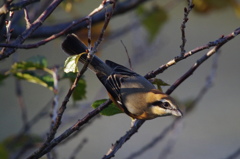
131	92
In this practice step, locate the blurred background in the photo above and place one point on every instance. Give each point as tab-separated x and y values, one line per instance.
210	130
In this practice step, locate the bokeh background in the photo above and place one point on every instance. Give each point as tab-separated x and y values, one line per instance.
211	130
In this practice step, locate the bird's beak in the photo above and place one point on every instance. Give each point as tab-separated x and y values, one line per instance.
176	112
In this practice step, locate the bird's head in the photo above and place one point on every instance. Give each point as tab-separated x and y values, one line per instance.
161	104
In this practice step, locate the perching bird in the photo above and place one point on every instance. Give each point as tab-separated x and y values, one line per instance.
131	92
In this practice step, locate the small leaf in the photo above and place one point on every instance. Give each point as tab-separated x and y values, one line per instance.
34	70
159	83
112	109
152	19
44	80
33	63
71	64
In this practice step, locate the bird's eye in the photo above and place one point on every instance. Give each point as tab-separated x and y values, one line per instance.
166	104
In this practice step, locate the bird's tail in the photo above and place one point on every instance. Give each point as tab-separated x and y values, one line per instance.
73	46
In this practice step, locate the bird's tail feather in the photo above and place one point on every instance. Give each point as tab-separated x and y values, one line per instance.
73	46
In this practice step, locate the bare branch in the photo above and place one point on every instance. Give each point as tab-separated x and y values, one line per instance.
118	144
129	60
36	24
218	44
183	26
27	19
55	103
172	62
9	6
155	140
61	110
194	67
18	42
108	16
70	131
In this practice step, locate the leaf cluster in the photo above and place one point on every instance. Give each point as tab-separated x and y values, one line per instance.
36	70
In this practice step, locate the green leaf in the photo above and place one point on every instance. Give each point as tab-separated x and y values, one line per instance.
33	63
43	80
159	83
152	19
70	64
34	70
112	109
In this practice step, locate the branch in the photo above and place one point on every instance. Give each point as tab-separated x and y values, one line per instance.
118	144
156	139
44	148
9	6
36	24
194	67
218	44
70	131
61	110
172	62
183	26
170	127
54	31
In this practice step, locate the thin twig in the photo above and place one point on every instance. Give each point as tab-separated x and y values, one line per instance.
26	17
8	27
36	24
155	140
80	130
89	33
57	30
61	111
193	68
183	26
108	16
118	144
70	131
129	59
15	6
55	104
172	62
